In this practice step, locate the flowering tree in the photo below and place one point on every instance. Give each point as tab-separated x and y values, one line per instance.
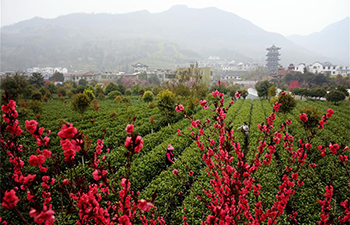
234	195
40	190
49	187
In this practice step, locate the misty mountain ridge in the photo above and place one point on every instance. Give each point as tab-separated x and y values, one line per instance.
115	41
333	41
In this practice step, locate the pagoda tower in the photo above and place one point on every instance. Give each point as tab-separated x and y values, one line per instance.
272	59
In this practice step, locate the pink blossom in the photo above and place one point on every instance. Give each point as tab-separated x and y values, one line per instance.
238	94
65	181
215	93
128	142
175	171
191	173
179	108
138	144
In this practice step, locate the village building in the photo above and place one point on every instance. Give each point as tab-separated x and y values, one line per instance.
139	67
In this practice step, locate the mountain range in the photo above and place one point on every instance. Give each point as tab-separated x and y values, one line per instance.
178	35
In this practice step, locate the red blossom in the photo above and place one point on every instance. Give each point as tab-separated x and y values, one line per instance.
138	144
31	126
215	93
129	128
67	131
9	200
143	205
303	117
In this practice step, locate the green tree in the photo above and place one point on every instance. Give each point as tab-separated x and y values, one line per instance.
36	95
272	91
335	96
81	104
166	104
16	85
262	88
244	93
57	76
52	88
62	90
320	79
82	82
343	88
37	80
36	106
319	92
111	87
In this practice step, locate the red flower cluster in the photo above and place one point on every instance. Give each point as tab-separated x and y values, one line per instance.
303	117
326	205
204	104
70	143
9	200
9	116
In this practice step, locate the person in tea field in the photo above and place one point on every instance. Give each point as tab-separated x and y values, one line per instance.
245	129
169	156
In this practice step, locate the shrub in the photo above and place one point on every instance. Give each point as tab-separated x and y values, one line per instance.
70	94
113	94
141	91
113	115
36	95
128	92
100	95
313	116
95	105
151	105
36	106
191	105
148	96
118	99
62	90
126	100
48	94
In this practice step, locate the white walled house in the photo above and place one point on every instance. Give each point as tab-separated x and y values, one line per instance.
300	68
139	67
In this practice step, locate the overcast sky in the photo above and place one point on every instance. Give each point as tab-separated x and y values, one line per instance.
286	17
